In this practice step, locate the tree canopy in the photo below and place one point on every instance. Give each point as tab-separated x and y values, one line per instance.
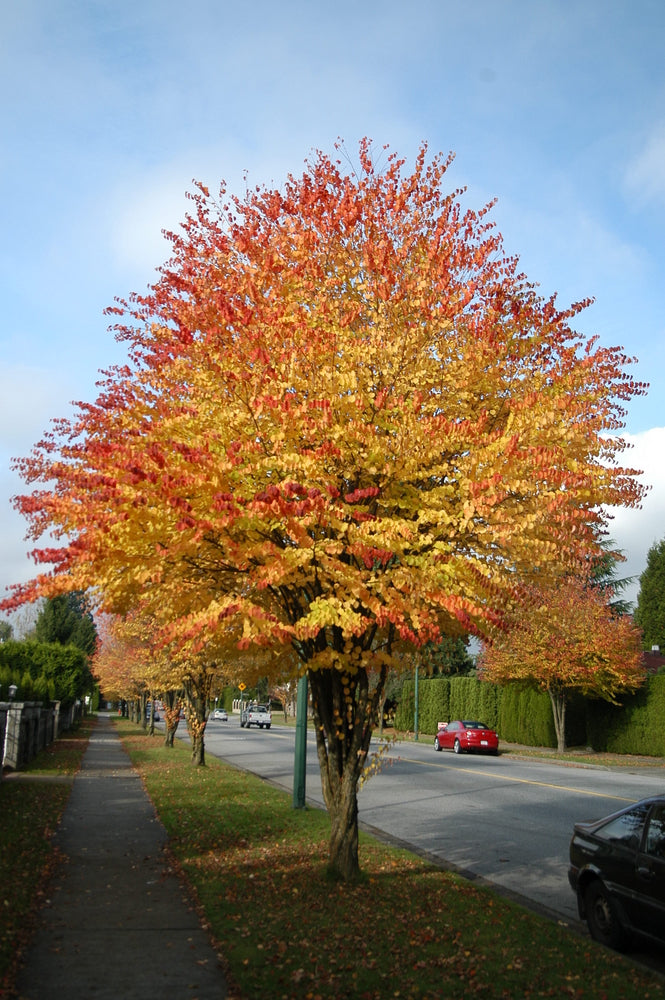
66	619
567	639
348	422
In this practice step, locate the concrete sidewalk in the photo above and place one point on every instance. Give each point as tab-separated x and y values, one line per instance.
118	924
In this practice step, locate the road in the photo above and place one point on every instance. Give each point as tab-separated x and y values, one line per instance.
503	819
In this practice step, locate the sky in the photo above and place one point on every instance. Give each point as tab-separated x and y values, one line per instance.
112	109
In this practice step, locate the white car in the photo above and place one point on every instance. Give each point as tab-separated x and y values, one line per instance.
221	715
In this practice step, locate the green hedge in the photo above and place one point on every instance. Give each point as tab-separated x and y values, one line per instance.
636	727
524	715
43	670
443	698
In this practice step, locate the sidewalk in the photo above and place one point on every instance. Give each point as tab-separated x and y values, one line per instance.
118	924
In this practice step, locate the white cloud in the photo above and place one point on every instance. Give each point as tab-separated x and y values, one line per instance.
645	175
635	531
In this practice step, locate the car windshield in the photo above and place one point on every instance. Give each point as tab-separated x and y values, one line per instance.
474	725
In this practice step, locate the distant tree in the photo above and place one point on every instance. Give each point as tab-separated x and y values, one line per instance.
450	656
565	639
603	574
65	619
6	631
650	611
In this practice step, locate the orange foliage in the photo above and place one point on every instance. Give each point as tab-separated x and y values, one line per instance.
566	639
347	421
346	412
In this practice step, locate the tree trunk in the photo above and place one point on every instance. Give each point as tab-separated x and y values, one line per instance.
344	713
558	699
172	705
198	748
197	690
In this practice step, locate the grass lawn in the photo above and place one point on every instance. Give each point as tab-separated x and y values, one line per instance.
406	930
31	803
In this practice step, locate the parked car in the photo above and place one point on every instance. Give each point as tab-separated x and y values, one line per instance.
464	735
221	715
256	715
617	871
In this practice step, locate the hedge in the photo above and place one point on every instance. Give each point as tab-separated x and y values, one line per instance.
524	715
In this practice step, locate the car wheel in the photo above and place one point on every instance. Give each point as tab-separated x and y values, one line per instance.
268	726
457	747
437	745
602	918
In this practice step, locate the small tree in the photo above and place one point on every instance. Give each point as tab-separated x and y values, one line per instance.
565	640
650	611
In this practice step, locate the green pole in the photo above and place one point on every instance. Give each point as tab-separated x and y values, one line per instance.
300	761
415	713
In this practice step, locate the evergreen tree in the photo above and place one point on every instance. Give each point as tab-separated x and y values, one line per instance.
450	657
6	631
604	576
650	611
66	620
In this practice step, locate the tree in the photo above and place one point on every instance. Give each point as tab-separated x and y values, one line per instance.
603	574
347	423
650	610
6	631
130	666
449	656
566	639
67	620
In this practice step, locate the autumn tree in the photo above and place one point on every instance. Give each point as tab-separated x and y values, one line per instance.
566	639
650	610
129	665
347	422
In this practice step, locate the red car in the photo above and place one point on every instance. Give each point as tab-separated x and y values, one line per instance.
466	735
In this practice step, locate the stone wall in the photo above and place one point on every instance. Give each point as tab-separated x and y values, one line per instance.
26	727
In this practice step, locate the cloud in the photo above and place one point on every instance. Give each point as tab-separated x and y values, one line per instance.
645	174
635	531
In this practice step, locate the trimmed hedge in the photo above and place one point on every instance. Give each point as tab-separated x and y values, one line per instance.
524	715
636	727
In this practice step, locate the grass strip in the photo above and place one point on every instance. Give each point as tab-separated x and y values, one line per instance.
31	804
406	930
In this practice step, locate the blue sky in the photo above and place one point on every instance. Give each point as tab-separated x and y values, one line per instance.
111	109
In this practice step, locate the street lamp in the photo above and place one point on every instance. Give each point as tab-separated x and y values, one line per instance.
12	692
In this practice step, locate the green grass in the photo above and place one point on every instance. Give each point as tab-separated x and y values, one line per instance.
31	804
406	930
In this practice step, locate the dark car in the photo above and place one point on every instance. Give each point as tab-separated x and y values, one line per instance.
617	870
466	734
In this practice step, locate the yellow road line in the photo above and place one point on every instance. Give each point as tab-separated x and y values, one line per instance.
521	781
